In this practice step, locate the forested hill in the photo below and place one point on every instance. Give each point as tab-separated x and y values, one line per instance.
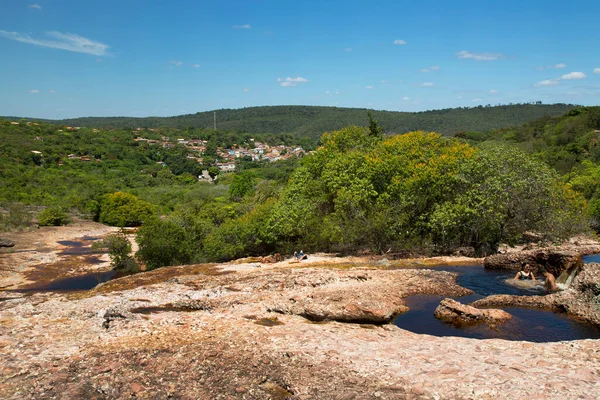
312	121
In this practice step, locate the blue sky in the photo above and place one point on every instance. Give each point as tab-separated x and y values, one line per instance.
65	58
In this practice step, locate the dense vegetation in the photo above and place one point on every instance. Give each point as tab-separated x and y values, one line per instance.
361	189
569	143
311	121
81	171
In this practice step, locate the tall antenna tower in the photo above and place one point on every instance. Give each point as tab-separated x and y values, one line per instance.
215	120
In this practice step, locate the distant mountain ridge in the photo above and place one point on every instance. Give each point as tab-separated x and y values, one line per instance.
312	121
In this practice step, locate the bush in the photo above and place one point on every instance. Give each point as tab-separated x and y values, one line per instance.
119	249
124	209
53	216
162	243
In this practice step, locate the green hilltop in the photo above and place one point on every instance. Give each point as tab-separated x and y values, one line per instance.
312	121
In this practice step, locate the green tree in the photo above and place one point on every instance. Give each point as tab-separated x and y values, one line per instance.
241	185
53	216
124	209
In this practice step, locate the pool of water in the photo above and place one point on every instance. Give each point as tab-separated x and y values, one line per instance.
526	324
74	283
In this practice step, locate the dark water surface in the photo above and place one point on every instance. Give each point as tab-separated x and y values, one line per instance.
526	324
71	284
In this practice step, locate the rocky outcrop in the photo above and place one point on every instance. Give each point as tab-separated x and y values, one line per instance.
6	243
373	297
581	300
458	314
554	260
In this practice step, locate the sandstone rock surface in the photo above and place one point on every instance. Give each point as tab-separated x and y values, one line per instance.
207	332
458	314
554	259
581	300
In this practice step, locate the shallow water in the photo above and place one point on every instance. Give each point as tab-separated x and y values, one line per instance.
526	324
80	282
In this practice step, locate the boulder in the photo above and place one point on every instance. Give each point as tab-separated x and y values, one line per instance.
458	314
554	260
6	243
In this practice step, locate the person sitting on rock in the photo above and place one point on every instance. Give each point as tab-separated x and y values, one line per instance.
550	282
300	256
525	273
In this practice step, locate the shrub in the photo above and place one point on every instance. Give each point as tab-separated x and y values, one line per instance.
119	249
53	216
124	209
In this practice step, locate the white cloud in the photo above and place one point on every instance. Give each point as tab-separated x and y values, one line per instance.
548	82
493	91
52	91
196	65
429	69
399	41
176	63
369	87
427	84
348	49
573	75
34	91
287	82
35	6
406	98
63	41
557	66
479	56
246	90
477	100
245	26
597	70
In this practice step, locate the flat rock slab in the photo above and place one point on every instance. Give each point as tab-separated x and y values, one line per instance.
193	332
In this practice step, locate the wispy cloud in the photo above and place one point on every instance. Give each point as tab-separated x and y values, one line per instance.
573	75
399	41
548	82
369	87
477	100
429	69
35	6
34	91
597	70
465	55
245	26
406	98
348	49
287	82
566	77
493	91
175	63
427	84
556	66
51	91
246	90
63	41
196	65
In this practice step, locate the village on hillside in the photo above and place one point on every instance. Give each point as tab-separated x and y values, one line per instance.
227	156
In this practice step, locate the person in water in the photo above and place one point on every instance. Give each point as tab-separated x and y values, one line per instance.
525	273
550	282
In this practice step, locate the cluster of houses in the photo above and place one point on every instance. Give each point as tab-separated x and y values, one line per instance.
260	151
